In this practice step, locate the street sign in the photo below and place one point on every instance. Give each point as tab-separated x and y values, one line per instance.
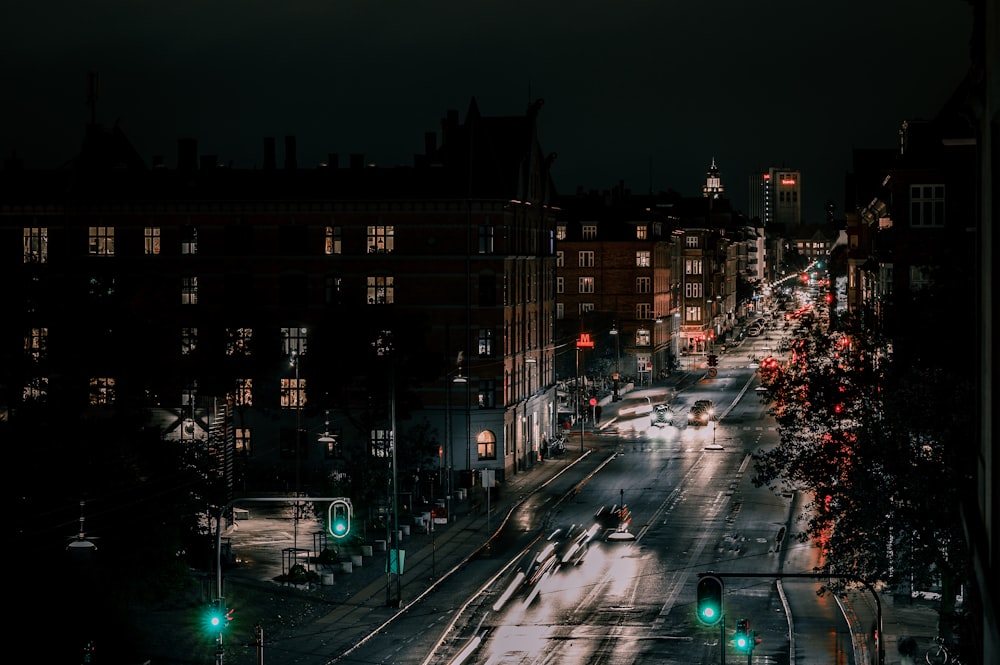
712	372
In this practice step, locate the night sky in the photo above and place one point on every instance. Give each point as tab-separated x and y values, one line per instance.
644	91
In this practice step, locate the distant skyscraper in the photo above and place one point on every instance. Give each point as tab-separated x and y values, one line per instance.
776	197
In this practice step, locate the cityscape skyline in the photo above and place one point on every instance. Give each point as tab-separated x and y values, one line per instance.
648	97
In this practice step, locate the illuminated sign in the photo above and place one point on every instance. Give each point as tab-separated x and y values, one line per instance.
788	181
584	342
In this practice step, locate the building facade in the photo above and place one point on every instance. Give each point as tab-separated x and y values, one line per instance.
293	318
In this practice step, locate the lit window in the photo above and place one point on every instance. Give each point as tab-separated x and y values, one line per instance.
37	389
189	240
102	390
380	290
332	242
381	443
586	285
642	258
102	241
36	343
693	290
485	343
242	394
294	341
589	231
151	240
644	311
487	394
244	444
643	284
560	231
189	341
486	445
189	290
560	311
189	393
642	337
692	266
239	341
641	232
691	241
560	259
293	393
560	284
586	307
692	313
36	244
926	205
585	260
380	239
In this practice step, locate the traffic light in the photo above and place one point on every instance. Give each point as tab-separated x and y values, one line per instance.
713	360
710	600
339	516
218	616
743	640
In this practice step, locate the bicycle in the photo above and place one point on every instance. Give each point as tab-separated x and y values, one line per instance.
939	655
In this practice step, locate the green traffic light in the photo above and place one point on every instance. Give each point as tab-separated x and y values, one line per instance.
340	517
710	600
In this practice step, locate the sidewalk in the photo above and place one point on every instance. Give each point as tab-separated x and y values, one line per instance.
358	603
901	619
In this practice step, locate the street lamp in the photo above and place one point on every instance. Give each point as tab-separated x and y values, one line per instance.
530	454
677	338
459	379
618	362
294	360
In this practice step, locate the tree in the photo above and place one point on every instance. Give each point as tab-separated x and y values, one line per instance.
874	445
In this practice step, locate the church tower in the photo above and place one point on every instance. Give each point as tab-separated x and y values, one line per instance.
713	183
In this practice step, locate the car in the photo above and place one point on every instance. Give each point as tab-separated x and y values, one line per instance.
662	416
702	412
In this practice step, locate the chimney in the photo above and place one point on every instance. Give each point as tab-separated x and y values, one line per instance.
269	159
357	161
291	163
187	154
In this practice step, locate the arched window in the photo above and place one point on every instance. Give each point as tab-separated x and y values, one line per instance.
486	442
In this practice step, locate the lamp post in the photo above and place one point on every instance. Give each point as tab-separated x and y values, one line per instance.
298	455
618	363
530	454
583	343
677	338
459	379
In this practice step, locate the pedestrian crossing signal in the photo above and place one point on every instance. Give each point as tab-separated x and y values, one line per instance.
339	517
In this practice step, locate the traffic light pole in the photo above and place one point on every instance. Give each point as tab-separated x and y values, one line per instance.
879	647
227	506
